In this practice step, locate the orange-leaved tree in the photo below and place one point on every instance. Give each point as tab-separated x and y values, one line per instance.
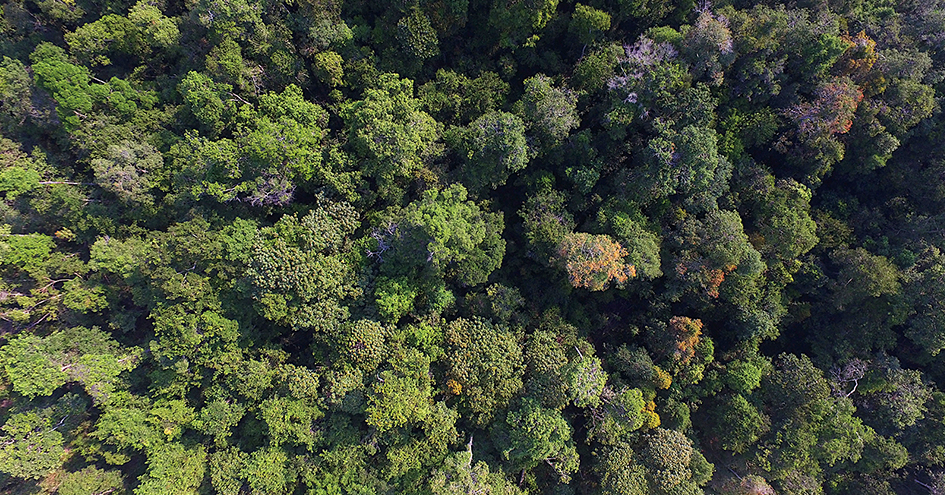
593	261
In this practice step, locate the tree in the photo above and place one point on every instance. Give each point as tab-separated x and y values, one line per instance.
445	235
586	379
707	45
630	230
686	164
457	99
712	249
549	111
459	476
109	35
672	464
515	22
38	366
492	148
593	261
402	394
91	480
32	446
862	275
390	133
587	23
298	273
173	468
927	298
737	423
485	360
532	435
130	170
417	37
619	414
546	223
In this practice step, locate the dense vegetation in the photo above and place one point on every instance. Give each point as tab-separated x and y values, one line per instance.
472	247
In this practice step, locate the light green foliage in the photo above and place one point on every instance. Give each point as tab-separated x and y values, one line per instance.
536	435
460	476
410	456
289	420
218	418
814	430
363	344
328	68
91	480
76	96
279	148
18	172
620	473
492	148
486	360
170	417
445	235
909	102
126	428
389	132
208	101
29	367
225	60
394	297
417	36
326	32
545	357
27	252
549	111
109	35
588	23
299	276
619	414
173	468
585	378
641	244
738	424
669	459
129	170
265	471
156	29
31	445
862	275
38	366
401	395
202	338
743	376
596	68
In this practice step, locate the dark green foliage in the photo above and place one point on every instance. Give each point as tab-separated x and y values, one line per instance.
492	147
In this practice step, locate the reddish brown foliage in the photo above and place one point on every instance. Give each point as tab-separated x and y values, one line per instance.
593	261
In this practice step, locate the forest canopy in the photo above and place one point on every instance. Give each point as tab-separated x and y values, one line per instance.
472	247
